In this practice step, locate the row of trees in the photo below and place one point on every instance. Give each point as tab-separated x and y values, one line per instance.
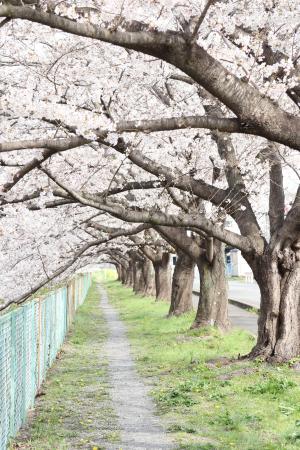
82	157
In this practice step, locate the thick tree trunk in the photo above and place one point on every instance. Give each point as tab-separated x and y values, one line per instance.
182	285
148	277
119	271
163	278
138	279
279	320
123	275
213	300
129	276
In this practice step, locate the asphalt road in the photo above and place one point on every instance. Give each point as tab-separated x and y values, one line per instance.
247	293
244	292
242	318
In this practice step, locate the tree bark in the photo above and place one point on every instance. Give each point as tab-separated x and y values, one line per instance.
279	320
182	285
129	275
123	274
148	277
138	279
213	300
162	272
119	271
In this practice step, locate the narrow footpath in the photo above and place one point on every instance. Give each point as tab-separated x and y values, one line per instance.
139	427
93	397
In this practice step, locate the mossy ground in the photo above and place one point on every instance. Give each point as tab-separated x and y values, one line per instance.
75	410
209	405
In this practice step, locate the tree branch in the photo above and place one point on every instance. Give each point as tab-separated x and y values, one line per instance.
184	182
291	225
237	193
25	198
62	269
200	20
179	238
276	194
33	164
55	274
159	218
119	232
250	106
58	145
229	125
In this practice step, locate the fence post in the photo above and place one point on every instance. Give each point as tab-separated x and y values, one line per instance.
13	376
38	343
24	361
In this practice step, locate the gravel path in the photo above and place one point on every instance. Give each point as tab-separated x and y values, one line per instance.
140	428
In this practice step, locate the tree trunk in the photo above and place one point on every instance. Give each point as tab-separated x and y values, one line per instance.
163	278
279	320
182	285
138	279
119	271
148	277
123	274
213	300
129	275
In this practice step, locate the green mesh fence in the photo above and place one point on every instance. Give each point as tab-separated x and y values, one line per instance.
30	338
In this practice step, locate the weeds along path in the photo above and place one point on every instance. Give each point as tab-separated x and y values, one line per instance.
140	428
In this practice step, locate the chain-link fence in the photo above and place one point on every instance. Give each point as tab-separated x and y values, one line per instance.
30	338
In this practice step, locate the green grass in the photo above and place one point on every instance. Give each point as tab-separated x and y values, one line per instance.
75	410
209	405
240	278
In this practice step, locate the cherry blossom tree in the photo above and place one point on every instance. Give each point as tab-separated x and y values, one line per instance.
259	253
183	43
219	95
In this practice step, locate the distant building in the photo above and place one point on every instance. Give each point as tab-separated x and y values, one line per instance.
236	266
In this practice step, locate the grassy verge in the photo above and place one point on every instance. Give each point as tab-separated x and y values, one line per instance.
240	278
75	410
209	404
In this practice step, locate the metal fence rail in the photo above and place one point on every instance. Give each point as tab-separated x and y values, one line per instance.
30	338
